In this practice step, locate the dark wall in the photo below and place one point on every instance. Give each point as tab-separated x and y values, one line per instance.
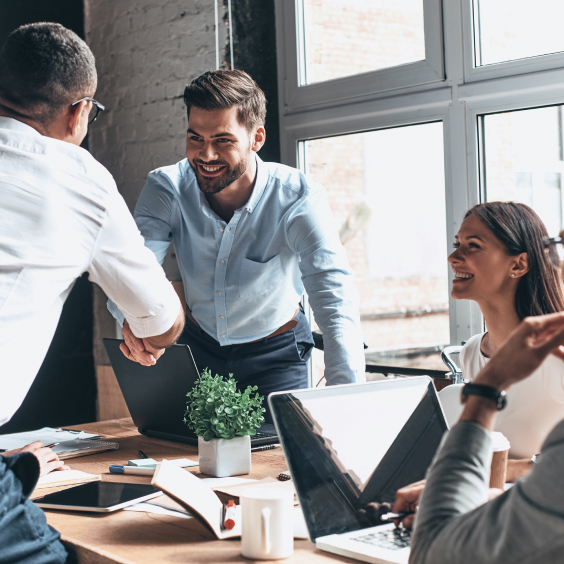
254	49
64	391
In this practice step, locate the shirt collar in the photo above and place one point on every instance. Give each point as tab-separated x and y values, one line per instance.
260	185
15	125
258	190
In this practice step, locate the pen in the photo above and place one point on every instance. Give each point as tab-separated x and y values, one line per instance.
229	521
119	469
393	516
51	445
267	447
142	454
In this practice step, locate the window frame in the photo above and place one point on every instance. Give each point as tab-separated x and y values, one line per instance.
290	23
457	100
473	73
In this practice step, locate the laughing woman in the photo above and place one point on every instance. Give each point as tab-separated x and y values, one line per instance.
499	263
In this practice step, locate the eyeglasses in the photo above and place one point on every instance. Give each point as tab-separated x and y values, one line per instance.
554	250
94	111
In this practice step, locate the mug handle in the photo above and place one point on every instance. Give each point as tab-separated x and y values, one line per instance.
265	525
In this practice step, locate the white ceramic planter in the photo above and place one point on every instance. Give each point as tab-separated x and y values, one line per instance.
225	457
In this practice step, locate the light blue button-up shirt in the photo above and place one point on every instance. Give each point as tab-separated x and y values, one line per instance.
243	279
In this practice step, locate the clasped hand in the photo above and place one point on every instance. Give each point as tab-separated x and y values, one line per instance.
139	350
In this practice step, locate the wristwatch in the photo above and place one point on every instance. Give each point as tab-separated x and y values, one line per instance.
488	392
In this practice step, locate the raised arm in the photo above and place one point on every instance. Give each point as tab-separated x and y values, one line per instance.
328	280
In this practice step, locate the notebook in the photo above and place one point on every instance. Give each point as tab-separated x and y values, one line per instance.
66	478
82	447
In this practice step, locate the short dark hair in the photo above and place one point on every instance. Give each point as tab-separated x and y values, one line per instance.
43	68
521	230
216	90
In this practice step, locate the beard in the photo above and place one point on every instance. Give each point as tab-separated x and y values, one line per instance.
216	185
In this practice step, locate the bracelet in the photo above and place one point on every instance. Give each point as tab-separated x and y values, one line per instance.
487	392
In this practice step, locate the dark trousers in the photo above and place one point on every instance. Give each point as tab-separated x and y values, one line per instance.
272	364
25	537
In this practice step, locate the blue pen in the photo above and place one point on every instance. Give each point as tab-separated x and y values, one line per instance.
119	469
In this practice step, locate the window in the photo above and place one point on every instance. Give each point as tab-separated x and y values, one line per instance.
348	37
523	153
507	30
484	107
396	252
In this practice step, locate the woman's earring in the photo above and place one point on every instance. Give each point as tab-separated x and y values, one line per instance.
512	275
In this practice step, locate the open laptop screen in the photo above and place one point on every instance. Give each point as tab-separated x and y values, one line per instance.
347	446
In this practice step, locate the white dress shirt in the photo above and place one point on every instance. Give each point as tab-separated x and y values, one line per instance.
61	215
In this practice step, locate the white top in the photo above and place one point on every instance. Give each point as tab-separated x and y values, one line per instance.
534	405
61	215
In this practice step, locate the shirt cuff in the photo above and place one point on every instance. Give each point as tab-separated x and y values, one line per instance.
161	322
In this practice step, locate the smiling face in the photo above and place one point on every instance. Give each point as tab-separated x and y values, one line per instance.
219	148
483	270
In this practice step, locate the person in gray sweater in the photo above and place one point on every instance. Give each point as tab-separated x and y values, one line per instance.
454	523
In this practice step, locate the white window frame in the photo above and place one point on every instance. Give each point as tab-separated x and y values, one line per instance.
514	67
290	25
458	100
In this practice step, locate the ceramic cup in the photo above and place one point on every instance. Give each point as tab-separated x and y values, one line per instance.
498	471
267	523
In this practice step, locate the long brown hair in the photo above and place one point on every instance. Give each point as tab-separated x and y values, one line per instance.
521	230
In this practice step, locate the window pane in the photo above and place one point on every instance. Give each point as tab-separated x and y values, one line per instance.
516	29
523	156
347	37
399	255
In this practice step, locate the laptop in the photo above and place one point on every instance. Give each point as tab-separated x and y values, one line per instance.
347	446
156	395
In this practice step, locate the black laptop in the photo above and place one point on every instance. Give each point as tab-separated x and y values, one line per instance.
156	395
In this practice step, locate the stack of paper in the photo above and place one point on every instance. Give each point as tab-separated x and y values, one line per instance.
66	478
47	436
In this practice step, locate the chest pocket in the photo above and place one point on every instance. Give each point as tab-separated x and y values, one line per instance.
7	283
258	278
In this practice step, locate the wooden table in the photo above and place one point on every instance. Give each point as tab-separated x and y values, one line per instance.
135	537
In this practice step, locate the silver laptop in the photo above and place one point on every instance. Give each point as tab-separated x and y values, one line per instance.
348	446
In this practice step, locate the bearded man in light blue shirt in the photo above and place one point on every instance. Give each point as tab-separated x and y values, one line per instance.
249	237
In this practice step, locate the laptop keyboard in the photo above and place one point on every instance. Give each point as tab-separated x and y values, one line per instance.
392	539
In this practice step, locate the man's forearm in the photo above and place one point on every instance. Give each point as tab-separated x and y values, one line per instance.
457	483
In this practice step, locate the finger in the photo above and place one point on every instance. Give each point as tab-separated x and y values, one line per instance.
32	447
551	321
554	342
50	466
559	352
46	454
64	467
408	521
132	355
133	342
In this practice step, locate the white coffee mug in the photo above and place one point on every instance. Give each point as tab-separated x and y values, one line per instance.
267	523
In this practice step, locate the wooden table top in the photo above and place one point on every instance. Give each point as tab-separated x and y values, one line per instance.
135	537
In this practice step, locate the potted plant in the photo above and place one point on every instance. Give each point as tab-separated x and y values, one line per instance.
223	418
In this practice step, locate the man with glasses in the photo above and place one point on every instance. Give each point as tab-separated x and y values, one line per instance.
526	523
60	215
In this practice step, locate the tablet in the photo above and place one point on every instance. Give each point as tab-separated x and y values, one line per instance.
101	497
